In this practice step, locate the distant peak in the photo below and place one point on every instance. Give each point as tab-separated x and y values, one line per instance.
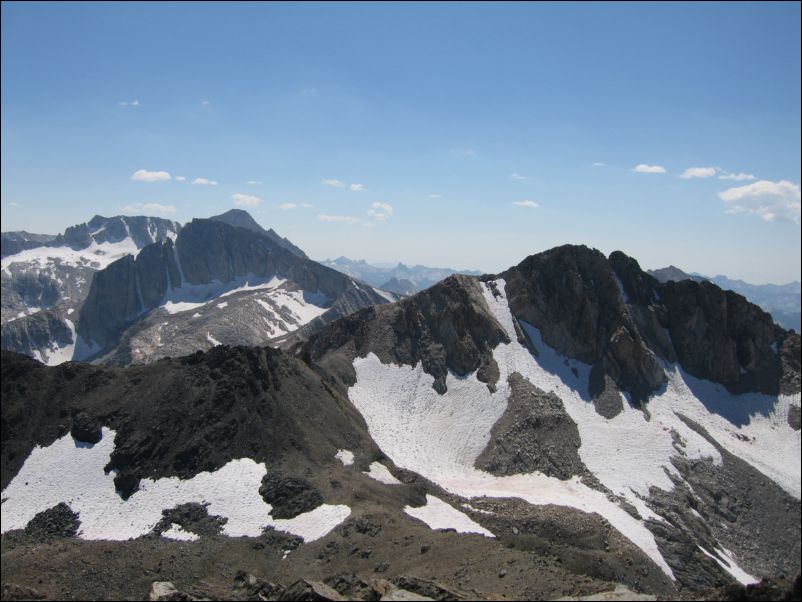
238	218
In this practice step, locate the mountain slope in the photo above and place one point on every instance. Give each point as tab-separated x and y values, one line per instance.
46	283
560	421
216	284
630	362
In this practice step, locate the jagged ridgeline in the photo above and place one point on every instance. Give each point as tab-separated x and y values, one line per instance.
566	427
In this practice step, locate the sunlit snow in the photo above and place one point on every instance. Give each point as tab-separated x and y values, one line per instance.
440	436
72	472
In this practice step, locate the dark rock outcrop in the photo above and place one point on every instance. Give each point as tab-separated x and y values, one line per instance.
289	496
53	523
86	429
534	434
446	327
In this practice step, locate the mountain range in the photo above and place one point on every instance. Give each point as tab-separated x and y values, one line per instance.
569	426
401	279
143	288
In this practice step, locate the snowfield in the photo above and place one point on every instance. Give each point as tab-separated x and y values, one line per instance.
72	472
96	256
439	515
440	437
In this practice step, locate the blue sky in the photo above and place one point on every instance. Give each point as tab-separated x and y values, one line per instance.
441	116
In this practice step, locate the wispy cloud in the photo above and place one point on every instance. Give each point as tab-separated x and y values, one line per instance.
143	175
255	182
735	176
530	204
357	187
380	211
308	91
204	182
13	204
180	179
206	103
333	183
598	164
643	168
246	200
435	196
516	176
286	206
346	219
772	201
149	209
698	172
129	103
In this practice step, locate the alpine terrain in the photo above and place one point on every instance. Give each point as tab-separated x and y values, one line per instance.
139	298
567	427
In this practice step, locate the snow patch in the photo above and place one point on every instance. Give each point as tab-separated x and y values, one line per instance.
58	355
212	340
379	472
345	456
72	472
389	296
729	565
439	515
179	533
97	256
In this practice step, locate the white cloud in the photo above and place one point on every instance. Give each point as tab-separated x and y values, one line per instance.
357	187
246	199
643	168
333	183
598	164
205	103
129	103
772	201
204	182
736	176
380	211
255	182
516	176
13	204
293	205
435	196
150	209
698	172
347	219
531	204
143	175
309	92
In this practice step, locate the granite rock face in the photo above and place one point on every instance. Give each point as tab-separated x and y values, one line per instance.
41	290
206	251
610	313
243	219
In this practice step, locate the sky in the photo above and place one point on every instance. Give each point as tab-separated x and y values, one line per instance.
467	135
